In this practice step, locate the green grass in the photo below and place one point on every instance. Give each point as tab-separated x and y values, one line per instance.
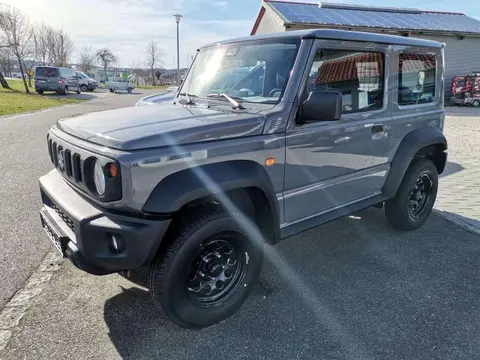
16	101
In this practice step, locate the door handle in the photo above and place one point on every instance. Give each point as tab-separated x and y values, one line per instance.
377	129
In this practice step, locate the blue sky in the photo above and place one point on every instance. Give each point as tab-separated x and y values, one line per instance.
126	26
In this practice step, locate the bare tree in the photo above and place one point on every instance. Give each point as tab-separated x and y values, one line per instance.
106	56
154	55
5	64
136	71
54	46
87	59
17	33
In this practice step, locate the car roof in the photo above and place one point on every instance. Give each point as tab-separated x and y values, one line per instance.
338	35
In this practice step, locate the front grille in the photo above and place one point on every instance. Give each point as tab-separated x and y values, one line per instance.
68	163
63	216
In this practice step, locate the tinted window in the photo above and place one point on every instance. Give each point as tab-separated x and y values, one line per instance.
47	72
357	75
416	81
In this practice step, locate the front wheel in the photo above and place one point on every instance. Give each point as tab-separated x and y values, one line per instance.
206	273
413	203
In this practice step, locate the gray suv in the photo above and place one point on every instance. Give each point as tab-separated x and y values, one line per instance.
58	79
322	123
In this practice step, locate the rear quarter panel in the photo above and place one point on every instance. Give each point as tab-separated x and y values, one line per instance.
407	118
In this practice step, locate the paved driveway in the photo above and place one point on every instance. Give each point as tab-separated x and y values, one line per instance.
352	289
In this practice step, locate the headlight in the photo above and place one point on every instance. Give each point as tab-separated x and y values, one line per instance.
99	178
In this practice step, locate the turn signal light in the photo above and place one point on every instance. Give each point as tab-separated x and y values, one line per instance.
270	161
112	170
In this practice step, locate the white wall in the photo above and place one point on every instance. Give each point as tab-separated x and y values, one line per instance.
462	57
270	23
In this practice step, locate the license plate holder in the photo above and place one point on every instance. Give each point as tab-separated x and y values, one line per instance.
58	239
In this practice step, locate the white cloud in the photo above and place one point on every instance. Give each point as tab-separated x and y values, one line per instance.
126	26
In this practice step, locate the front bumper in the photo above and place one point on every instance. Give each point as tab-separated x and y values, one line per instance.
84	231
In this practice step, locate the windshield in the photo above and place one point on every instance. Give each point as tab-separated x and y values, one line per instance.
251	71
81	74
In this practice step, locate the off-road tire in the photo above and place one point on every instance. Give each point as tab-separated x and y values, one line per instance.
397	208
168	272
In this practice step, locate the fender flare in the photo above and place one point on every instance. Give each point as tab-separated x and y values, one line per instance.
180	188
409	146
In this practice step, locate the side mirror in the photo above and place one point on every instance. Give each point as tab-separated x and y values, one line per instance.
322	106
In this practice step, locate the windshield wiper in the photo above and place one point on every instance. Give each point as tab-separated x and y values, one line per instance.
189	98
235	103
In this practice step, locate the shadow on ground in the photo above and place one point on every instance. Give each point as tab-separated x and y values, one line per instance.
72	95
363	292
451	168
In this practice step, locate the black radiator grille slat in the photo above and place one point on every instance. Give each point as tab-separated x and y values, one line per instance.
50	153
77	168
55	153
68	162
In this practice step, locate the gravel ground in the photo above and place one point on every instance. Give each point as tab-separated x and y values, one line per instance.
462	130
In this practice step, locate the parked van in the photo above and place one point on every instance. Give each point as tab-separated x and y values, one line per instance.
86	82
58	79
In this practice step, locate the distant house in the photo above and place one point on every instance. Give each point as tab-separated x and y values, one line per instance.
460	33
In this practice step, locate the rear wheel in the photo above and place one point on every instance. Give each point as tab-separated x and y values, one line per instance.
40	92
112	90
208	270
413	203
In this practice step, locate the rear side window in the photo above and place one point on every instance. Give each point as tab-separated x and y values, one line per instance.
46	72
358	75
416	78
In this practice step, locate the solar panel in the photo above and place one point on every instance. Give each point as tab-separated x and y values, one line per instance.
368	16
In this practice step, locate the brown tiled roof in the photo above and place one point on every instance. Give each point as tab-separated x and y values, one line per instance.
346	68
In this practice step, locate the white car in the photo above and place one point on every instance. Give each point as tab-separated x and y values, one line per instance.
115	86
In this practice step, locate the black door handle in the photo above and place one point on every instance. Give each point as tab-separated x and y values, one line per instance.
377	129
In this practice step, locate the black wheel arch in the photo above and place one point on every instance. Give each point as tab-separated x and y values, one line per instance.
214	181
427	142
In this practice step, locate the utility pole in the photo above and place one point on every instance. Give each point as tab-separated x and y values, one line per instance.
177	19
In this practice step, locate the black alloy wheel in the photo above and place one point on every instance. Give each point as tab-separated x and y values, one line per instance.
208	269
420	194
415	197
216	270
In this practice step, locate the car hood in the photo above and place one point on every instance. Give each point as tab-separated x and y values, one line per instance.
143	127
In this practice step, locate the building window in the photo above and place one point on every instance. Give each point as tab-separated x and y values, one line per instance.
416	78
359	76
